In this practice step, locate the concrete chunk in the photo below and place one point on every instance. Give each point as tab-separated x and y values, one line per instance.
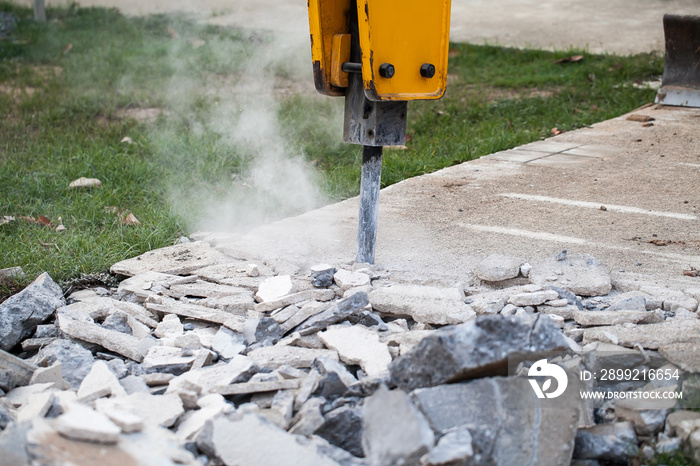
614	442
99	382
22	312
337	312
358	345
85	424
276	356
475	349
346	279
274	288
426	304
162	410
650	336
395	432
120	343
497	267
258	387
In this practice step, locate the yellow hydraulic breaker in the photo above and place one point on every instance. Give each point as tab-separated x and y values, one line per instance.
379	54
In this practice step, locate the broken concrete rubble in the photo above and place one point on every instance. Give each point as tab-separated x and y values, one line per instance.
186	360
21	313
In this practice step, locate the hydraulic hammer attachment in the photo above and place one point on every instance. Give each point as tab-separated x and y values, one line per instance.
379	54
681	81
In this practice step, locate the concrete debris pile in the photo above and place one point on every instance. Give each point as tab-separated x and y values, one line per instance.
201	358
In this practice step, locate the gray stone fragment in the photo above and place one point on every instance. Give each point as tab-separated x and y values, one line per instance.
268	331
46	331
228	343
511	425
13	445
322	275
133	384
629	303
475	349
582	274
497	267
337	312
117	321
309	417
257	442
14	371
325	366
275	356
612	442
22	312
395	432
455	447
343	428
75	360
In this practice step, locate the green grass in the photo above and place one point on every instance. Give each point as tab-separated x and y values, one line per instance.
58	126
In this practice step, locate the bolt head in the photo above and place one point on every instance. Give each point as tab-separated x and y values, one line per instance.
427	70
386	70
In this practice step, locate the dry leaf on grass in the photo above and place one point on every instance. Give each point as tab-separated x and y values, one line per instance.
556	131
130	220
67	49
86	183
6	219
571	59
127	140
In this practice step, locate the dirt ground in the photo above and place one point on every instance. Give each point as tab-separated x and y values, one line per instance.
622	26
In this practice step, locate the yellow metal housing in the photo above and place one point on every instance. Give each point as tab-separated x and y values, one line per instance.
340	53
326	19
406	34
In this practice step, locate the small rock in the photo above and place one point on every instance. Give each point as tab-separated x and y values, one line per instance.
322	275
496	268
309	417
533	299
128	422
252	270
356	344
22	312
395	432
273	288
346	280
525	269
631	303
99	382
613	442
337	312
268	331
276	356
169	327
162	410
228	343
343	428
119	322
600	318
75	360
647	415
85	424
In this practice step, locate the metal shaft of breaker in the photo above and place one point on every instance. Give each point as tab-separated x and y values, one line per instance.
369	203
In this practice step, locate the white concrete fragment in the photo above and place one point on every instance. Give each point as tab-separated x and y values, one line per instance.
210	406
346	279
169	327
533	299
276	356
161	410
127	421
81	422
273	288
357	344
497	267
99	382
427	304
37	406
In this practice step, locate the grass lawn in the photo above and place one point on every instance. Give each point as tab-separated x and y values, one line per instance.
221	123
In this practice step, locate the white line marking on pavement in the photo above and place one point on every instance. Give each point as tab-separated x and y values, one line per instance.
597	205
538	235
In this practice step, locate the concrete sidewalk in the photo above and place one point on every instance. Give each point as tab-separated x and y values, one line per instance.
622	191
623	27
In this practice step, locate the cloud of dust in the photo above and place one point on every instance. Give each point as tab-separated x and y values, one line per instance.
275	180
